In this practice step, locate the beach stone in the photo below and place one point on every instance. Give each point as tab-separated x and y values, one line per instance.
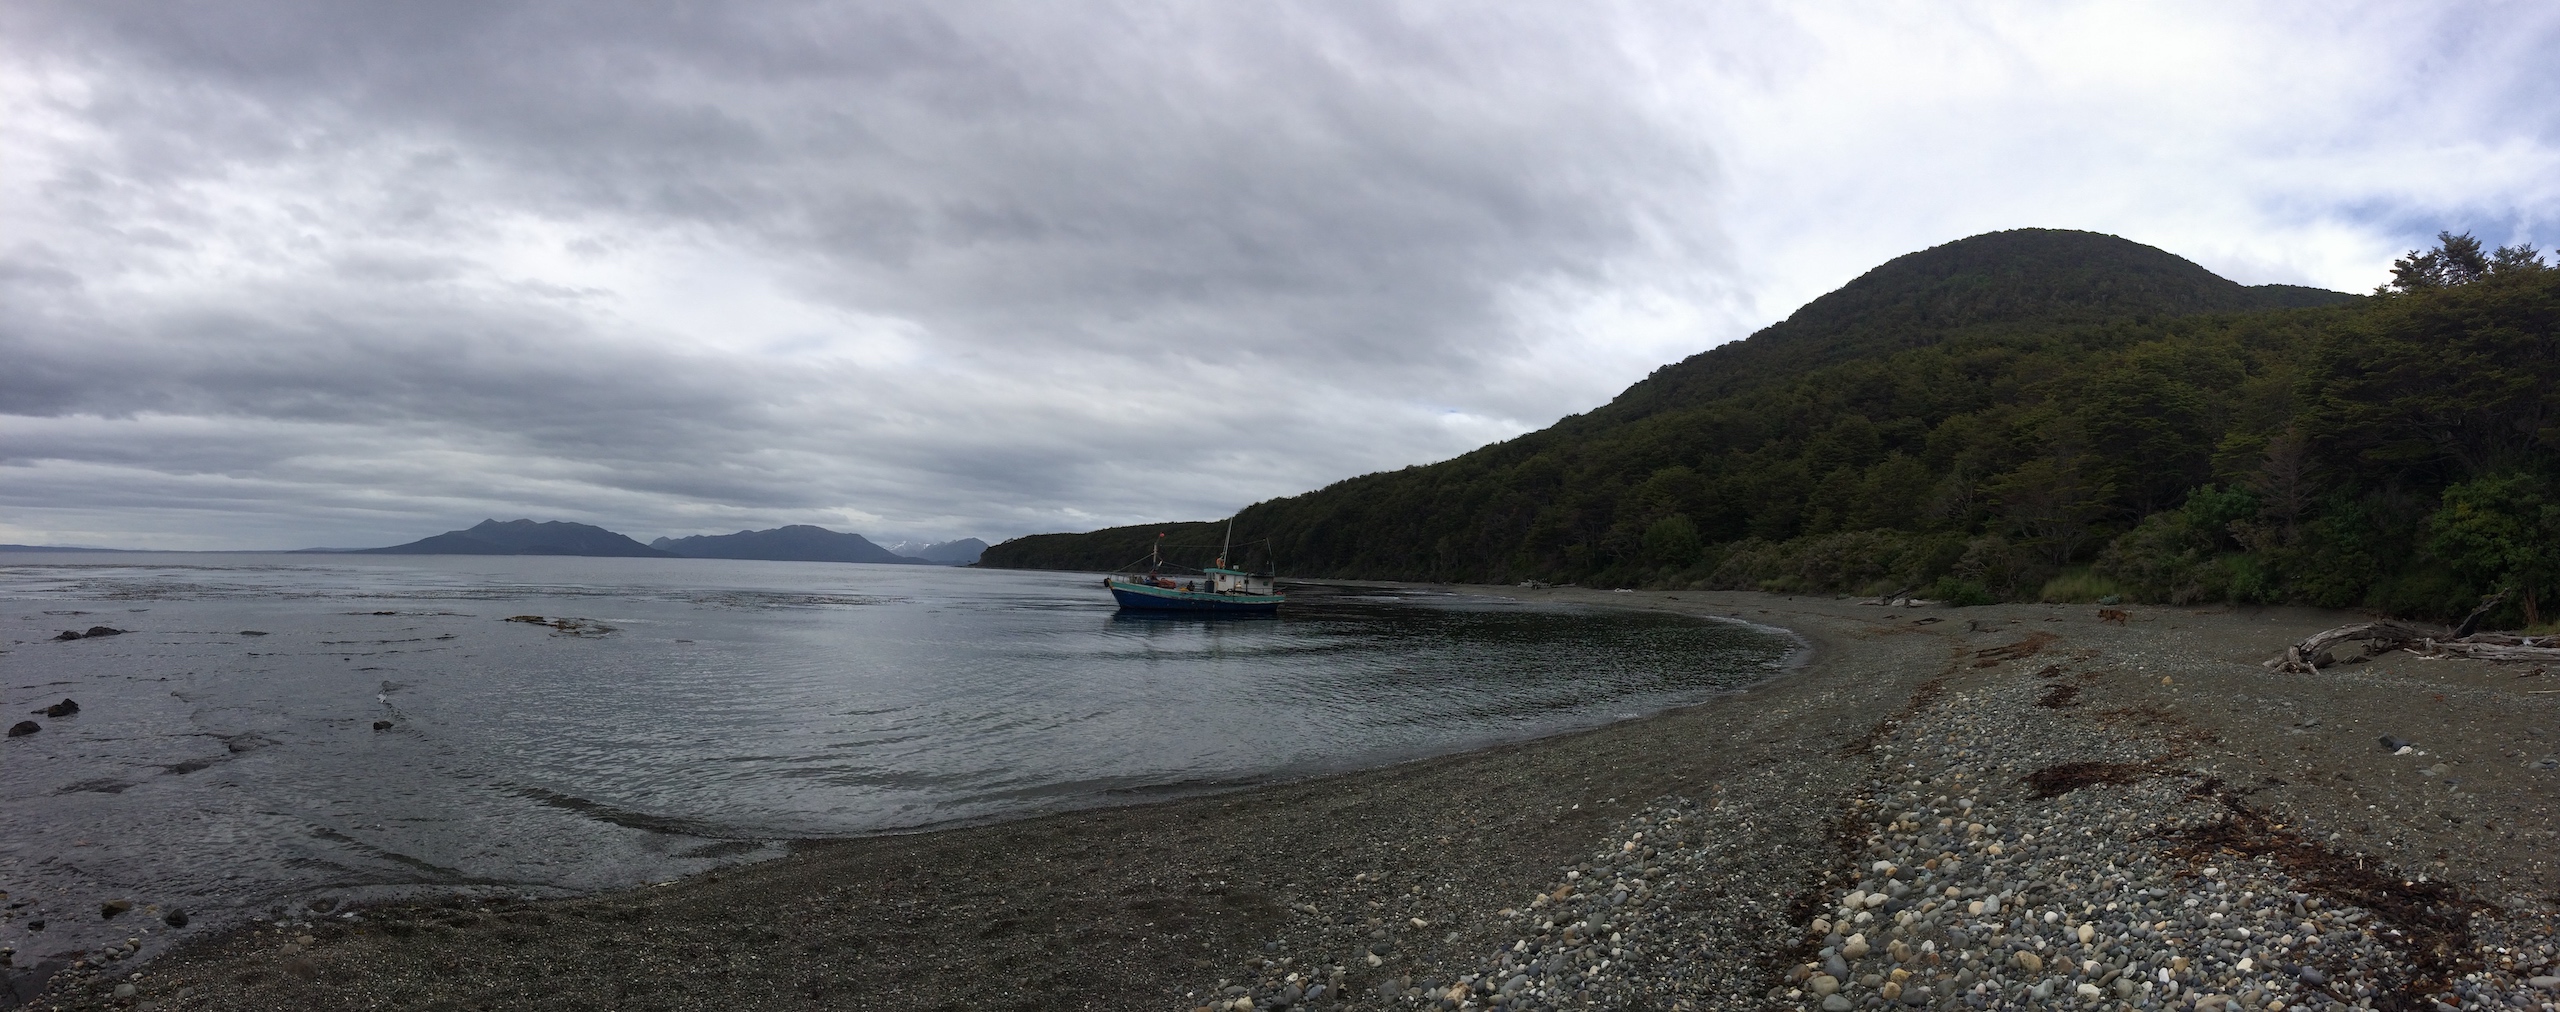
382	725
102	630
24	728
62	709
111	908
174	918
1836	1003
1825	984
125	990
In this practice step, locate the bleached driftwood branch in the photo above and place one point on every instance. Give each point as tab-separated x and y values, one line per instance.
2314	652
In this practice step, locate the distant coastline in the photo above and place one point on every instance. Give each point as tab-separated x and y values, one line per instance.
61	548
798	543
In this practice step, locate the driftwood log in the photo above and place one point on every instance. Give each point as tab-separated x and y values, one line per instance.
2317	650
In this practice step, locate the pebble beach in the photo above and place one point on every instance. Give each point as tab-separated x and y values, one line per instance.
2017	806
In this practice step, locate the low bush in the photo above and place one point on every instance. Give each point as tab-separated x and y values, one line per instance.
1958	592
2079	586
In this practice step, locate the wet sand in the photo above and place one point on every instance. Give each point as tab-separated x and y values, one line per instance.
1374	883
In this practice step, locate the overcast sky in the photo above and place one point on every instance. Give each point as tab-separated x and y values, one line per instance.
280	274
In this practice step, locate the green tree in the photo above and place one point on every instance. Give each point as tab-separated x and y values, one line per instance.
2053	505
2456	260
1672	542
2517	259
2436	387
2503	533
2285	484
1895	494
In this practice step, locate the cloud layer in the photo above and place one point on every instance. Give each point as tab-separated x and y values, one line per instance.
284	274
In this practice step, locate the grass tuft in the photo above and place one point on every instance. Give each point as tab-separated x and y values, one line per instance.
2079	586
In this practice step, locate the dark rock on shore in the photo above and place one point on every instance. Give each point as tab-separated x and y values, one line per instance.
24	728
62	709
111	908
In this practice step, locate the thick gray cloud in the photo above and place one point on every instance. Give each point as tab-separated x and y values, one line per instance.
286	273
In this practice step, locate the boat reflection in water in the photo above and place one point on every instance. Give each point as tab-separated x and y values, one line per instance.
1216	589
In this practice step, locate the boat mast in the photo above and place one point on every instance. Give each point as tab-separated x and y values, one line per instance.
1230	545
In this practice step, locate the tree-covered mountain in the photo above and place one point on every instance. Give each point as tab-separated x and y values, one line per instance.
524	537
2025	280
796	543
2012	415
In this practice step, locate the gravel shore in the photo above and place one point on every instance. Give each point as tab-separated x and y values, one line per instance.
2012	806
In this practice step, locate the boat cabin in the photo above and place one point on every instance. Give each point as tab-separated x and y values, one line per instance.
1235	581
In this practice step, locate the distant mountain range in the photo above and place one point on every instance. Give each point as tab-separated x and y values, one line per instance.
963	552
796	543
525	537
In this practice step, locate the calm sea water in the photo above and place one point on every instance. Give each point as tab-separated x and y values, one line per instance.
692	712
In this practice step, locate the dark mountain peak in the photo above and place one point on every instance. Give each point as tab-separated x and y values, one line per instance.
795	543
2039	274
2031	277
525	537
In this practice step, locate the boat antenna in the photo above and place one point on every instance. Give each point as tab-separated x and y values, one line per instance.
1231	543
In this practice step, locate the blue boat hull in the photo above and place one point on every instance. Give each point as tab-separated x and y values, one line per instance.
1143	598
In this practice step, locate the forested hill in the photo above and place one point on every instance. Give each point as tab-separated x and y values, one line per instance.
2020	414
2025	279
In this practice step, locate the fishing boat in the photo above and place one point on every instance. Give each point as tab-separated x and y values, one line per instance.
1218	589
